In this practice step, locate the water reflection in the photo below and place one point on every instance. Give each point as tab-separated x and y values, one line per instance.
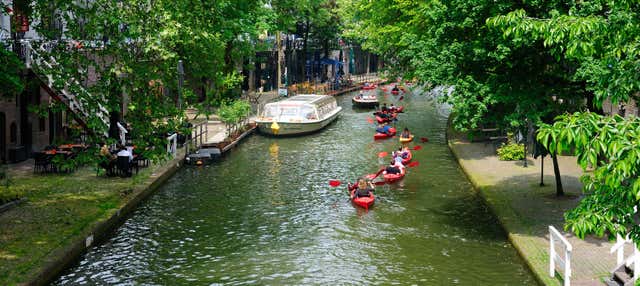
266	215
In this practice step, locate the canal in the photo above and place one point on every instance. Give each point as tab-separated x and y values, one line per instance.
266	215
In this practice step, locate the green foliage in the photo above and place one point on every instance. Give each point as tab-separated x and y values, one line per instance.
10	80
140	43
511	151
498	82
601	37
610	146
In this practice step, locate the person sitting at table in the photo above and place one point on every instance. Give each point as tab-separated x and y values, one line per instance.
105	152
124	152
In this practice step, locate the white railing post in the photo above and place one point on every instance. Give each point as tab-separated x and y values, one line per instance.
565	262
172	146
632	259
552	255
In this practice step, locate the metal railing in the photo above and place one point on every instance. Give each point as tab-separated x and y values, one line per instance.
172	145
555	258
634	258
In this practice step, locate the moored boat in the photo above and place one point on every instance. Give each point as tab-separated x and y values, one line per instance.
368	86
297	115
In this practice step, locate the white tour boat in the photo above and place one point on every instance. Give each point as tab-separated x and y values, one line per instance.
299	114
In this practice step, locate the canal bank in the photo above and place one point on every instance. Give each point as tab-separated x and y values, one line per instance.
67	214
267	215
525	209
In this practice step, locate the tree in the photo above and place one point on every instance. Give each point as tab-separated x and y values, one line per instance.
135	48
11	82
499	81
609	144
600	37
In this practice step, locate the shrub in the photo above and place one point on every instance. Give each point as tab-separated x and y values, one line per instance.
511	152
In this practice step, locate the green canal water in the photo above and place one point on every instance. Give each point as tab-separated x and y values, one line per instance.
266	215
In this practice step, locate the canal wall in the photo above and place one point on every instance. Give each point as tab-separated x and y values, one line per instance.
525	209
64	257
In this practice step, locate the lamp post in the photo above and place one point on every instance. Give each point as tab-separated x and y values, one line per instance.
180	83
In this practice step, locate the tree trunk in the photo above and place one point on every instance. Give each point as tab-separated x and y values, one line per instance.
556	173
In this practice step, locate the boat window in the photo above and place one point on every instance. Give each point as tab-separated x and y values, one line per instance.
271	111
289	111
308	112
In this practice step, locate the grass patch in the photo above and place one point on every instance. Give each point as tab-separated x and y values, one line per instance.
59	209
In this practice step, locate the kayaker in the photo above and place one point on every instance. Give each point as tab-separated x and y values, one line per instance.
393	108
392	168
405	152
405	133
397	157
384	107
384	128
360	95
395	88
363	188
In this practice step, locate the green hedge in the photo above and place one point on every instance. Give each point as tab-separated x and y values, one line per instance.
511	152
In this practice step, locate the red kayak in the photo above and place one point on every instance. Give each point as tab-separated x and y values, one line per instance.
406	161
369	87
365	202
390	178
395	92
388	119
398	109
378	135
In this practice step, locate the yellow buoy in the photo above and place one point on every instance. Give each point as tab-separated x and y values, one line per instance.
275	127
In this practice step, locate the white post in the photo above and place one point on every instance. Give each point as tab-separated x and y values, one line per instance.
172	142
620	252
636	263
552	255
564	263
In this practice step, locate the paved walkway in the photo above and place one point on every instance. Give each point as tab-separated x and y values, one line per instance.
526	209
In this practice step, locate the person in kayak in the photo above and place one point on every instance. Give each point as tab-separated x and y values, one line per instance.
405	152
384	108
405	133
363	188
393	168
397	157
395	88
384	128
